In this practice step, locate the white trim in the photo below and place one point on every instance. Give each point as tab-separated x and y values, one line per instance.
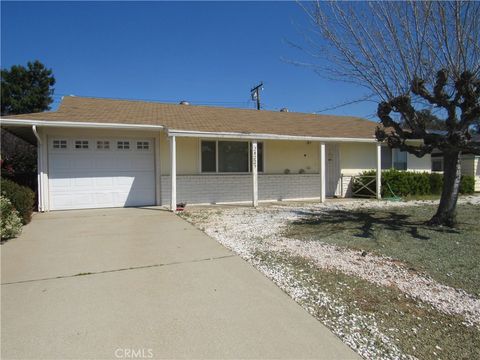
40	191
158	174
173	174
79	124
322	172
259	201
254	157
45	171
379	171
255	136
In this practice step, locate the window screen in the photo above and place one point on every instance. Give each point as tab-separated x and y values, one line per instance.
209	160
437	164
232	156
399	159
386	157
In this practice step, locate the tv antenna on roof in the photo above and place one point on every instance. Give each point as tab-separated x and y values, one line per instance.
255	92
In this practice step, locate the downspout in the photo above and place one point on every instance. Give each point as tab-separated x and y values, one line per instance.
34	129
39	169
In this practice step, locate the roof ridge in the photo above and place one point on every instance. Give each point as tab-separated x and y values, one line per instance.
296	113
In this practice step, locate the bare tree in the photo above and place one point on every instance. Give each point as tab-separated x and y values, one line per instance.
410	56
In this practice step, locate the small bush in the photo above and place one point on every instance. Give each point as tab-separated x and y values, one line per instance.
405	183
436	183
467	184
21	197
10	224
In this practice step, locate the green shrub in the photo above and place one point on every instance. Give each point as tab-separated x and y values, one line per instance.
467	184
405	183
10	224
21	197
436	183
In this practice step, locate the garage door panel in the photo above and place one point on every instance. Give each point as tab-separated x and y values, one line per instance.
62	162
101	178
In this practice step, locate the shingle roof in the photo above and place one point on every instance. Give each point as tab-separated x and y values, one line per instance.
205	118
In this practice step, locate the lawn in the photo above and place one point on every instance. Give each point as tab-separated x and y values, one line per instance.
390	323
451	256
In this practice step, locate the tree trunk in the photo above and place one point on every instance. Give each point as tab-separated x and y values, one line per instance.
446	212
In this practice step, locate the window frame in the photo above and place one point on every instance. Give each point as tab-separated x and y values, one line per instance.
103	141
392	154
217	171
393	159
440	160
123	141
82	141
144	143
59	148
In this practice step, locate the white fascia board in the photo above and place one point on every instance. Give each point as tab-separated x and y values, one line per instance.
76	124
253	136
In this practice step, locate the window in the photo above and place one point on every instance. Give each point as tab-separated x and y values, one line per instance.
386	158
81	144
209	156
123	145
233	156
229	156
399	159
437	164
143	145
103	145
59	144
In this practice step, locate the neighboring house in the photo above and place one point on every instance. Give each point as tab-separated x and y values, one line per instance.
470	165
97	153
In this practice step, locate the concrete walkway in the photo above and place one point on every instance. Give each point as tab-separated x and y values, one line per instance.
142	283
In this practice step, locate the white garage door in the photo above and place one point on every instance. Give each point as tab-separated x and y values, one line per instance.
95	173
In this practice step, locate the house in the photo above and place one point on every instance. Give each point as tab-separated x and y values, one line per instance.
96	153
470	164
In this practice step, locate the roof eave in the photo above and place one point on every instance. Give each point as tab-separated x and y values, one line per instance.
257	136
78	124
182	133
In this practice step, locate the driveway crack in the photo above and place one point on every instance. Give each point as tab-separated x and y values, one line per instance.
121	269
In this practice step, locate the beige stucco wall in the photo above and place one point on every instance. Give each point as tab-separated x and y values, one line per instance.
292	155
357	157
279	155
471	166
187	155
419	164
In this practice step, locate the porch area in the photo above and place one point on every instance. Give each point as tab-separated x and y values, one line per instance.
224	170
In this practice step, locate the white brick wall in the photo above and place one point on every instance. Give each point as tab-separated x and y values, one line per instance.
200	189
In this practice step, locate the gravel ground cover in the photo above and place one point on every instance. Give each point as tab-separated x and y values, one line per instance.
379	305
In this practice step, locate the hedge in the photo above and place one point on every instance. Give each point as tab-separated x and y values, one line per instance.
21	197
404	183
10	223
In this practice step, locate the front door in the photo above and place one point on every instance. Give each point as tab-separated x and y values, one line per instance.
332	170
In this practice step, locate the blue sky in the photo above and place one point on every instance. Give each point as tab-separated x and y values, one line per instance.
206	52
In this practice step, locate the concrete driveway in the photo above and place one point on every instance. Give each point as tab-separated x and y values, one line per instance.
143	283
